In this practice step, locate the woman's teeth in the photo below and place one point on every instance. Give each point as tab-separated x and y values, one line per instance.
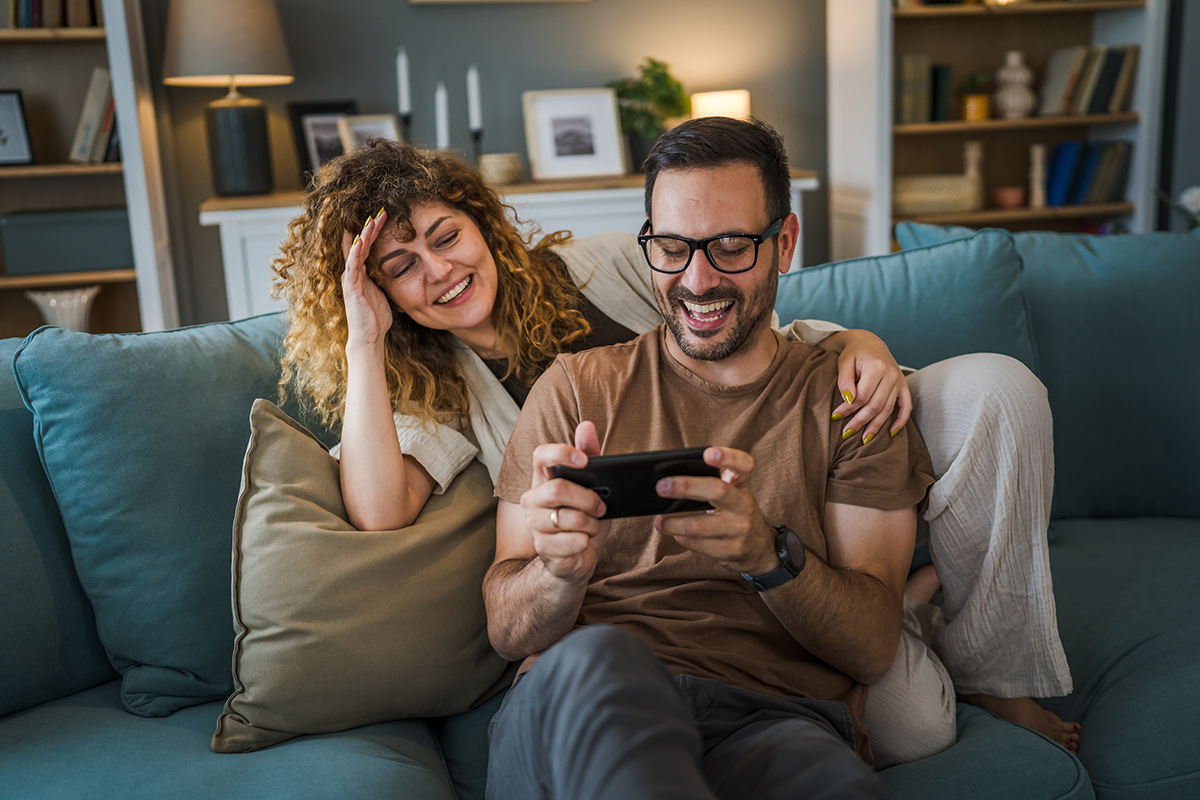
707	310
453	293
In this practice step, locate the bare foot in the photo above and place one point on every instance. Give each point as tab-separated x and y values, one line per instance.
923	584
1025	711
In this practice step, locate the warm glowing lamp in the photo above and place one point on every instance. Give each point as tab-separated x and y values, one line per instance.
733	103
230	43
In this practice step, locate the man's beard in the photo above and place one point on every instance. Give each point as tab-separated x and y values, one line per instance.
751	316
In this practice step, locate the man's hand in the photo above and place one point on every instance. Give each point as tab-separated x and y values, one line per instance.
562	516
735	534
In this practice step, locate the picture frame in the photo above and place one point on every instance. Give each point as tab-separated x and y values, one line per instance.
15	148
315	131
356	129
573	133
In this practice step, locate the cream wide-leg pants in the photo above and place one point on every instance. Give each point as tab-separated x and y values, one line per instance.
986	422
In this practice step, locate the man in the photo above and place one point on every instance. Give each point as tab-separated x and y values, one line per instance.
706	654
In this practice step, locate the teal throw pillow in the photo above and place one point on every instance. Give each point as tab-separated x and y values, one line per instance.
928	304
1117	329
142	437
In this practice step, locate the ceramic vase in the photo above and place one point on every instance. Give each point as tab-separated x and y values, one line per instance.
66	308
1014	96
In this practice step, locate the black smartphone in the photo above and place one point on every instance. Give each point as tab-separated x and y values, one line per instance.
626	482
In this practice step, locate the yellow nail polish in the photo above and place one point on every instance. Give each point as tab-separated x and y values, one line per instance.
849	432
867	439
893	433
357	239
379	214
836	417
849	398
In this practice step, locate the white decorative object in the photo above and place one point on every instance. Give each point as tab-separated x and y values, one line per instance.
1014	98
1037	176
499	169
474	110
404	94
973	168
441	110
66	308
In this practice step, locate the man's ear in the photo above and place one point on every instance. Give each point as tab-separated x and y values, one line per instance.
789	235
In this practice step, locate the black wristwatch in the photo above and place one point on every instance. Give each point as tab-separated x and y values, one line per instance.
790	550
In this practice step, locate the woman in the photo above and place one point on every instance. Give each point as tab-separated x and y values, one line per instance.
433	318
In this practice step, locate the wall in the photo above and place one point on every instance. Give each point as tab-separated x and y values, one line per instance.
774	48
1186	171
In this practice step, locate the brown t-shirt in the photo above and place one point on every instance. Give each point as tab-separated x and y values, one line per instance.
698	617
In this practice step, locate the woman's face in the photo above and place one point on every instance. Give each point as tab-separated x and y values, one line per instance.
445	278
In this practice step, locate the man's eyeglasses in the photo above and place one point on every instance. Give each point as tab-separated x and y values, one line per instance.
729	253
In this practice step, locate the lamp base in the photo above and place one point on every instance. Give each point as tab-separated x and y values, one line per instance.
238	147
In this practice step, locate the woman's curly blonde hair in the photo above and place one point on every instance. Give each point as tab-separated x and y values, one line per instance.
536	312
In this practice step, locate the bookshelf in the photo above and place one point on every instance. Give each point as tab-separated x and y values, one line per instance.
867	151
52	67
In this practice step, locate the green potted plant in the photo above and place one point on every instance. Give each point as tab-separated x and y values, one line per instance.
646	101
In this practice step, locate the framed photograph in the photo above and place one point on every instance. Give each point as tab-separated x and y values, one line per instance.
14	135
354	129
575	133
315	129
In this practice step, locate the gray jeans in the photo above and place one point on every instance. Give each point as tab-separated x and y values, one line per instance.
599	716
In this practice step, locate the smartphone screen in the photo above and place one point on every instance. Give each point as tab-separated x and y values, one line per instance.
626	482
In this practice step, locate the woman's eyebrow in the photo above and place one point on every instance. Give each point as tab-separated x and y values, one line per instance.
399	251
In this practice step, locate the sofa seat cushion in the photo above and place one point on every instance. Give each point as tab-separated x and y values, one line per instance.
983	765
88	745
928	304
1115	322
1128	607
50	647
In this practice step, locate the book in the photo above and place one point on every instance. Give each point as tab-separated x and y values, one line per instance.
53	13
1115	191
1058	84
1107	81
1087	80
912	89
1123	90
1086	173
100	140
1063	163
1103	176
113	153
95	102
79	13
35	13
939	93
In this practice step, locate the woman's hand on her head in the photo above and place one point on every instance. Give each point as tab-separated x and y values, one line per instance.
368	312
872	385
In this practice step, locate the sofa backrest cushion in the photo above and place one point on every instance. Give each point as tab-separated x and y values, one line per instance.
927	304
1117	330
50	648
142	437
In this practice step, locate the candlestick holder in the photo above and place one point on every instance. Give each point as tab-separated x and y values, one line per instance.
406	127
476	145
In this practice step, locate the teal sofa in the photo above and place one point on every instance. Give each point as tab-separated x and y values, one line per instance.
117	497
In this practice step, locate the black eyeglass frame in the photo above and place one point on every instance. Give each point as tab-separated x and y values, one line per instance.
702	244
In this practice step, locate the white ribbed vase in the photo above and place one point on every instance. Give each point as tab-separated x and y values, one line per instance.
66	308
1014	96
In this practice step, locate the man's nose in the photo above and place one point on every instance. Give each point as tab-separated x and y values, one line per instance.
701	275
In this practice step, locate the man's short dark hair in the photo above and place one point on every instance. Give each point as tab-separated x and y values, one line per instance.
720	141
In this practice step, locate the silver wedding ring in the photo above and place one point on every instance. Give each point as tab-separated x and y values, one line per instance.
554	519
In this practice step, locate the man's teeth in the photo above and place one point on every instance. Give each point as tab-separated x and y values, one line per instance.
697	309
455	292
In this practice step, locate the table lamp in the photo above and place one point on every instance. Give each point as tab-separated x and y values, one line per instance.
230	43
733	103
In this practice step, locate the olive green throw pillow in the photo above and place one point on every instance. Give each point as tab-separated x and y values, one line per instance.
337	627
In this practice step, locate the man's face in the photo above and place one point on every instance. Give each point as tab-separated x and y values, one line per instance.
714	315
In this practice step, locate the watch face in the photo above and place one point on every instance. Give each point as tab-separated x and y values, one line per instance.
794	548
